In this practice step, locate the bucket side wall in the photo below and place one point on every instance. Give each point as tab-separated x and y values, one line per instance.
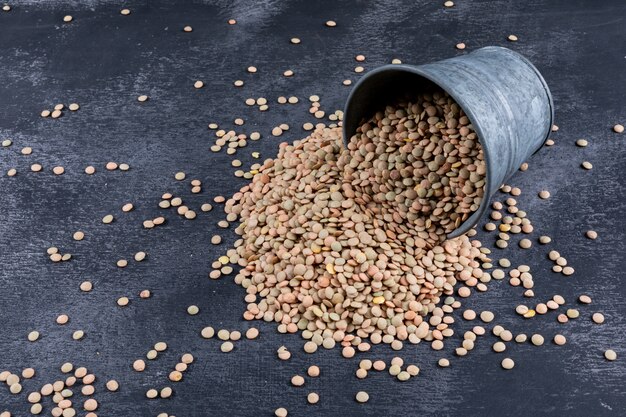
507	101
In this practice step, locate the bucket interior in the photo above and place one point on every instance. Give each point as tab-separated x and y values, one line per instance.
390	84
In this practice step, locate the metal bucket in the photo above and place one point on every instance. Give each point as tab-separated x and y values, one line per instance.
504	96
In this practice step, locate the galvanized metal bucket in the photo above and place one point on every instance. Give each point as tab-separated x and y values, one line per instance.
504	96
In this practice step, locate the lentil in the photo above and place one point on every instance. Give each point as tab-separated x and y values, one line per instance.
112	385
362	397
597	318
537	339
297	381
508	363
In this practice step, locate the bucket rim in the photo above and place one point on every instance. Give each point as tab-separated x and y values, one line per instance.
418	70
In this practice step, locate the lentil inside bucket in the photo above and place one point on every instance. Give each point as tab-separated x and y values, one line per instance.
421	162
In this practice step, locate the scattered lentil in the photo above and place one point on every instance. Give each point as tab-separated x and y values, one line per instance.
112	385
610	355
536	339
597	318
362	397
297	381
507	363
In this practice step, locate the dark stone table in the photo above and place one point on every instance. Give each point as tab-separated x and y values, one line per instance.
103	61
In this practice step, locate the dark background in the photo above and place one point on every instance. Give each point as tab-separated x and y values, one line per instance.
103	61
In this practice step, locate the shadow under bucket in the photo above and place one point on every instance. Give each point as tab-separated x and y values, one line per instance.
504	96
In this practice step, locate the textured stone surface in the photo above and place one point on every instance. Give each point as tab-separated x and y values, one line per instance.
103	61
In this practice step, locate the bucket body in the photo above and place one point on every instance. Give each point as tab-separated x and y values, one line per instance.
504	96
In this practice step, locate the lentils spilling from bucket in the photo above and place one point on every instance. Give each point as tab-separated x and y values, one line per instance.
352	250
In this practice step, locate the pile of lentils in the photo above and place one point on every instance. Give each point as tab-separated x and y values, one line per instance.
348	245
